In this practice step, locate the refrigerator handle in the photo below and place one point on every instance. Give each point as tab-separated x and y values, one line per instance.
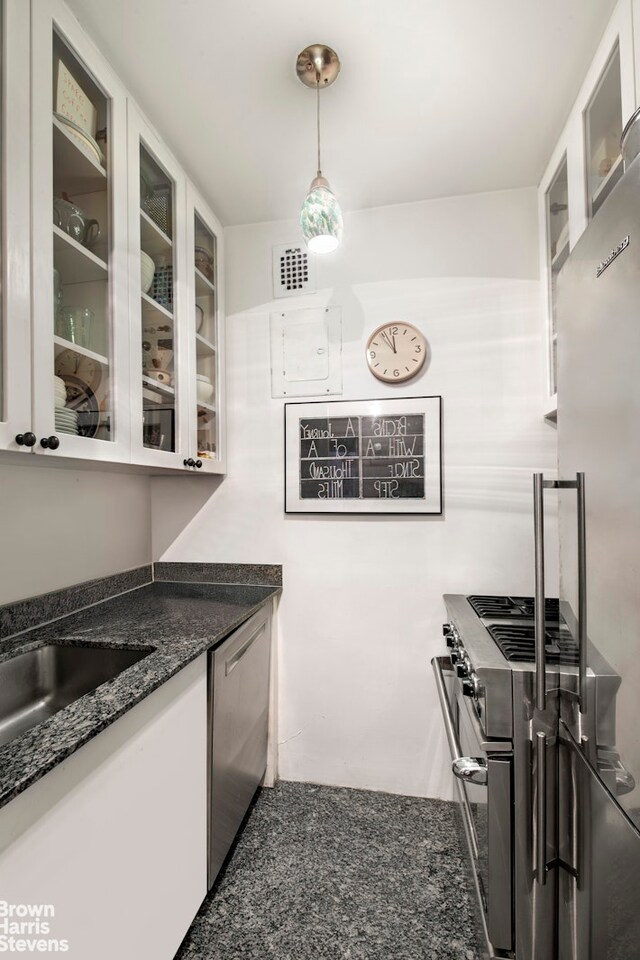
539	485
541	808
539	605
582	595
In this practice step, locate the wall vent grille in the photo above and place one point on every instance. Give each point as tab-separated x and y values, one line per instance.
293	271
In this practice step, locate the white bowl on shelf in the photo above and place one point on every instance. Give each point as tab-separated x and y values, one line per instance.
59	392
147	270
204	388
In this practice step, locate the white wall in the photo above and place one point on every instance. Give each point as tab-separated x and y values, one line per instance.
61	526
362	608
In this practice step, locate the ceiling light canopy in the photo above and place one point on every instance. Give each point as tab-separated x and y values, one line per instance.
320	218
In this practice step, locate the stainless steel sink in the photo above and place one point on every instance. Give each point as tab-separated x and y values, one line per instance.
35	685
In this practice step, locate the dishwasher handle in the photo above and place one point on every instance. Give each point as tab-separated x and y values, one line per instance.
236	657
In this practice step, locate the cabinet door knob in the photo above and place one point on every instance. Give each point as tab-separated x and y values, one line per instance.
26	439
190	462
198	464
50	443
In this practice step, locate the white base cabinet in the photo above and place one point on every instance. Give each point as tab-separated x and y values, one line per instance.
115	837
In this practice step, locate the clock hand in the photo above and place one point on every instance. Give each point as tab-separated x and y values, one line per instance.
394	345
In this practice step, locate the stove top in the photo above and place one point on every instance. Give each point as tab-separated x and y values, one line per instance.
512	608
516	642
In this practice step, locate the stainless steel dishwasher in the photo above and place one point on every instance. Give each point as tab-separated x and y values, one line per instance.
238	718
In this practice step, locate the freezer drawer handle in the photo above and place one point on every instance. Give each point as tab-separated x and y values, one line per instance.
539	485
235	659
471	770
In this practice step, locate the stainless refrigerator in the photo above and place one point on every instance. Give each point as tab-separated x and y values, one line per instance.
587	809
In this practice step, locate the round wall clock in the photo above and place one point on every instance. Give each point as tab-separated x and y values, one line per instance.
396	351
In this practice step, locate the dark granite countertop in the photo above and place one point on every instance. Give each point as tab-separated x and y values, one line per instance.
179	621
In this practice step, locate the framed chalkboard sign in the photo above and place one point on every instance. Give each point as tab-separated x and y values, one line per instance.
364	456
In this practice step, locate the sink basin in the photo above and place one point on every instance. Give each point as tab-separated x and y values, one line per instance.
35	685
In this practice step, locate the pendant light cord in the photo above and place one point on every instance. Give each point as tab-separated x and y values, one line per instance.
318	117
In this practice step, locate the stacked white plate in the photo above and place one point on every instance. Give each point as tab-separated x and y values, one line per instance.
59	392
66	420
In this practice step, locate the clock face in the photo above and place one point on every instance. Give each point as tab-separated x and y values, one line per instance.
78	365
396	352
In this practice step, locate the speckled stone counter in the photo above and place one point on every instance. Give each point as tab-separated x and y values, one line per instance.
177	621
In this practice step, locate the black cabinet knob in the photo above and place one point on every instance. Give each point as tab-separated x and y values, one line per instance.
26	439
50	443
468	688
461	670
451	642
190	462
198	464
446	629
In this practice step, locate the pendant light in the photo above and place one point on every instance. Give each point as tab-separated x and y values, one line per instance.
320	218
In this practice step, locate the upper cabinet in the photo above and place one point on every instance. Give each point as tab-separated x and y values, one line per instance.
110	331
585	165
80	268
159	321
15	228
206	348
602	132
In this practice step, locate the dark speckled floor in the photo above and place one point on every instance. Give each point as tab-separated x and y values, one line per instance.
335	874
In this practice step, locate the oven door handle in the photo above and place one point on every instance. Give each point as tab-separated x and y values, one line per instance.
470	769
454	746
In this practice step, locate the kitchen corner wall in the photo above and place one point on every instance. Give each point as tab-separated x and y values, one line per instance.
362	609
62	526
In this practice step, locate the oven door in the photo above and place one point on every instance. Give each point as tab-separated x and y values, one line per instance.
483	772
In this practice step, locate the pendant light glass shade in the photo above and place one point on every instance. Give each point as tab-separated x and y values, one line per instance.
321	218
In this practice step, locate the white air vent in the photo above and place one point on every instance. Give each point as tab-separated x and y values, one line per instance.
293	271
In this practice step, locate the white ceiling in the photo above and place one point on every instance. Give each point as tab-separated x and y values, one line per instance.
435	97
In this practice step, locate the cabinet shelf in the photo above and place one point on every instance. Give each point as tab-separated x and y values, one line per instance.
153	310
605	187
74	171
204	347
60	344
206	406
162	389
153	240
76	263
560	258
204	286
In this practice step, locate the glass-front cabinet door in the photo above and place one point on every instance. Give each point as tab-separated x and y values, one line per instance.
15	305
80	325
206	367
557	220
157	300
603	122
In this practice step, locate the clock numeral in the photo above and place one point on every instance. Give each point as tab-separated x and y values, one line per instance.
418	349
396	373
372	354
393	331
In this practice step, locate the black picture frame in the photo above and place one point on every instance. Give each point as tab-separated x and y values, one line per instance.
384	460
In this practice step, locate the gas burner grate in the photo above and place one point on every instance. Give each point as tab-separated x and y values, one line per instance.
512	608
517	643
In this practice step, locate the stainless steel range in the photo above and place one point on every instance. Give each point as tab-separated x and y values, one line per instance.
487	687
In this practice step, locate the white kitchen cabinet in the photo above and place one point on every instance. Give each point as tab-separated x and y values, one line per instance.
206	335
80	264
15	307
585	164
115	837
159	318
73	246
